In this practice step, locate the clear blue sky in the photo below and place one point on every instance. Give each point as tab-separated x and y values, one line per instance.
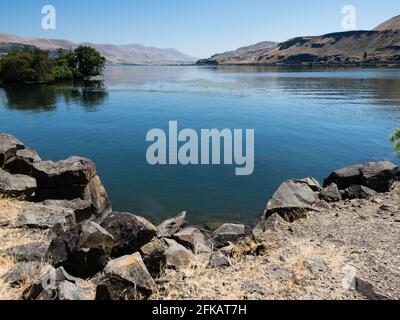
198	28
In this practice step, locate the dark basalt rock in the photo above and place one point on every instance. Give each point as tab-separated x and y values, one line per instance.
83	250
39	216
226	234
171	226
345	177
83	209
17	185
292	201
9	146
192	238
129	231
126	278
23	272
358	192
154	256
331	193
374	175
22	162
379	176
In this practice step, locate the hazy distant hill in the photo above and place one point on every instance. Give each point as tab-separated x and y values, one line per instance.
378	46
116	54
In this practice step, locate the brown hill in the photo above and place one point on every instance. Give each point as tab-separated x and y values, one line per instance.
391	24
353	47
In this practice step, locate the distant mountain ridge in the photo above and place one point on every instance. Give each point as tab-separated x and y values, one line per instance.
379	46
115	54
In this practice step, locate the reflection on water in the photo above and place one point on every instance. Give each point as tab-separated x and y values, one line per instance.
39	98
307	122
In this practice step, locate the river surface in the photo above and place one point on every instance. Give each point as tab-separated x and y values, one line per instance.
306	123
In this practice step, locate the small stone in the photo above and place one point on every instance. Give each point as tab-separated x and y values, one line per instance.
219	260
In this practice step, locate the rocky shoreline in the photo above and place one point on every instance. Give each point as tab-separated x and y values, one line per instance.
60	239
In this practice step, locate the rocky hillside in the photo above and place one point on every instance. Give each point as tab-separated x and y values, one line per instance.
64	242
380	46
115	54
392	24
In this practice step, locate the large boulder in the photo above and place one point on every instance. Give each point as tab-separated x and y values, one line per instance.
345	177
129	231
379	176
22	162
39	216
171	226
374	175
226	234
83	250
9	146
154	256
126	278
17	185
83	209
69	179
78	291
292	201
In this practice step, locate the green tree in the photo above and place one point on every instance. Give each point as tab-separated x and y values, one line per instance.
87	62
395	139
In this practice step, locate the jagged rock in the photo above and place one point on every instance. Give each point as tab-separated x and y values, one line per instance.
83	209
345	177
82	250
358	192
28	252
177	255
374	175
219	260
129	231
226	234
154	256
312	183
96	193
80	291
38	216
9	146
17	185
331	193
56	284
368	290
171	226
23	272
292	201
126	278
379	175
192	238
272	223
22	162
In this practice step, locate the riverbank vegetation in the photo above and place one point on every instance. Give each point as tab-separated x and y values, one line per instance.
37	66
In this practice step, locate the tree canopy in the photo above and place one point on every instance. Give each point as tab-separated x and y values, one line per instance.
36	66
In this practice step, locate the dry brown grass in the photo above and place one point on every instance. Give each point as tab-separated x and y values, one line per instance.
11	237
249	276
